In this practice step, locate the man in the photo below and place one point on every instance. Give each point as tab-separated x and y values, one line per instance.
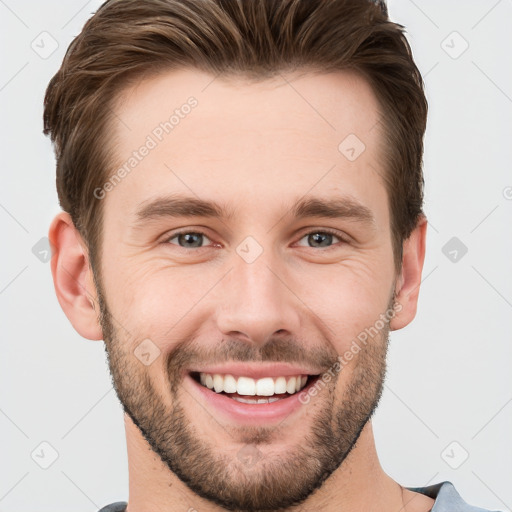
242	192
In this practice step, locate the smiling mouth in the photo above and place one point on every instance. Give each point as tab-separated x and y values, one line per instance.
254	391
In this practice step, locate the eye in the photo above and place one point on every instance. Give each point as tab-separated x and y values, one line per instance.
188	239
322	238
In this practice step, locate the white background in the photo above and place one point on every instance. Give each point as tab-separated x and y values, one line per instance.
449	373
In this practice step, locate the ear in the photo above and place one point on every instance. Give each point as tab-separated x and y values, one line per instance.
407	286
72	277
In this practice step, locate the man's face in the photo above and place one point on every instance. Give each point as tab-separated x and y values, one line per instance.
262	294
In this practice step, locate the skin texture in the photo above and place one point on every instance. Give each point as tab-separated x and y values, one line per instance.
255	148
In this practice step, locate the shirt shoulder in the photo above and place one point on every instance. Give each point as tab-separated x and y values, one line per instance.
447	499
118	506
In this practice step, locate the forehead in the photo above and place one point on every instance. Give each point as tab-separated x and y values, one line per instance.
331	102
238	139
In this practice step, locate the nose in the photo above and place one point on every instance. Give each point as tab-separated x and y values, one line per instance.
256	301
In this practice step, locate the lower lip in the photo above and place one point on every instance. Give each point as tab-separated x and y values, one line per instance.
248	413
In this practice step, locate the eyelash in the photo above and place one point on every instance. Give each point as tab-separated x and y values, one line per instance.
314	231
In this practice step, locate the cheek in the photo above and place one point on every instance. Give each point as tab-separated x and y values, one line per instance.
153	300
351	298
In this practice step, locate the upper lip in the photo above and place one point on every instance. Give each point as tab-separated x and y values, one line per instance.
256	370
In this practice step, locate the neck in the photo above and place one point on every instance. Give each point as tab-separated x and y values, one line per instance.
358	484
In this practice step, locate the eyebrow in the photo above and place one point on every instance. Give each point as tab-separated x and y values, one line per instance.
176	206
334	208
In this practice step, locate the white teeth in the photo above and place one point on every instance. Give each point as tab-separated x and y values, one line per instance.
218	383
256	400
280	385
246	386
244	400
290	385
229	384
264	387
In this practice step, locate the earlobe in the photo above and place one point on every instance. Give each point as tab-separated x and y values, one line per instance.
408	283
72	277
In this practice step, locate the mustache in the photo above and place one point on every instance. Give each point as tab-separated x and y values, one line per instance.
187	354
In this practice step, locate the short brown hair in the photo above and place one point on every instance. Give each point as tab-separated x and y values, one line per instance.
126	40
